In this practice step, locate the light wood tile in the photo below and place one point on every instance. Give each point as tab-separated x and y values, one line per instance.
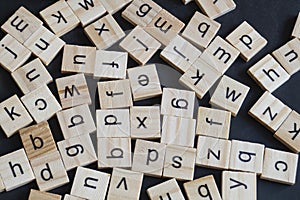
69	197
215	9
38	195
113	6
2	186
296	30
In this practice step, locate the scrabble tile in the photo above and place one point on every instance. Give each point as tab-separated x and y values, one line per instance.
2	186
60	18
186	1
229	95
178	103
115	94
148	158
32	76
140	45
37	140
168	189
77	151
80	59
69	197
296	30
41	104
15	170
104	32
13	115
113	6
288	132
110	64
178	131
126	184
268	74
12	54
44	44
199	77
145	122
179	162
288	56
213	152
220	54
213	122
87	11
270	111
141	12
237	185
76	121
246	156
180	54
38	195
114	152
90	184
202	188
144	82
49	171
73	91
113	123
280	166
215	9
22	24
201	30
164	27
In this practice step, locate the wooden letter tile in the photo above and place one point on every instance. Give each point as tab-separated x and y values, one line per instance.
2	186
126	184
104	32
296	30
12	54
239	185
179	131
69	197
178	103
110	64
215	9
145	122
13	115
73	91
15	170
113	6
202	188
144	82
185	2
270	111
115	94
268	73
60	18
246	156
76	121
148	158
229	95
37	140
168	189
49	171
32	76
22	24
114	152
213	152
77	151
141	12
179	162
280	166
90	184
201	30
38	195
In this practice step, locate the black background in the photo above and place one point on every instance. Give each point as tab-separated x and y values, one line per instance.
274	19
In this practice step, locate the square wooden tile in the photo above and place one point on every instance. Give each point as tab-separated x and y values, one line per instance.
104	32
60	18
144	82
2	186
32	76
69	197
73	91
12	54
113	6
90	184
15	170
201	30
215	9
268	73
296	30
80	59
270	111
38	195
185	2
115	94
229	95
13	115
